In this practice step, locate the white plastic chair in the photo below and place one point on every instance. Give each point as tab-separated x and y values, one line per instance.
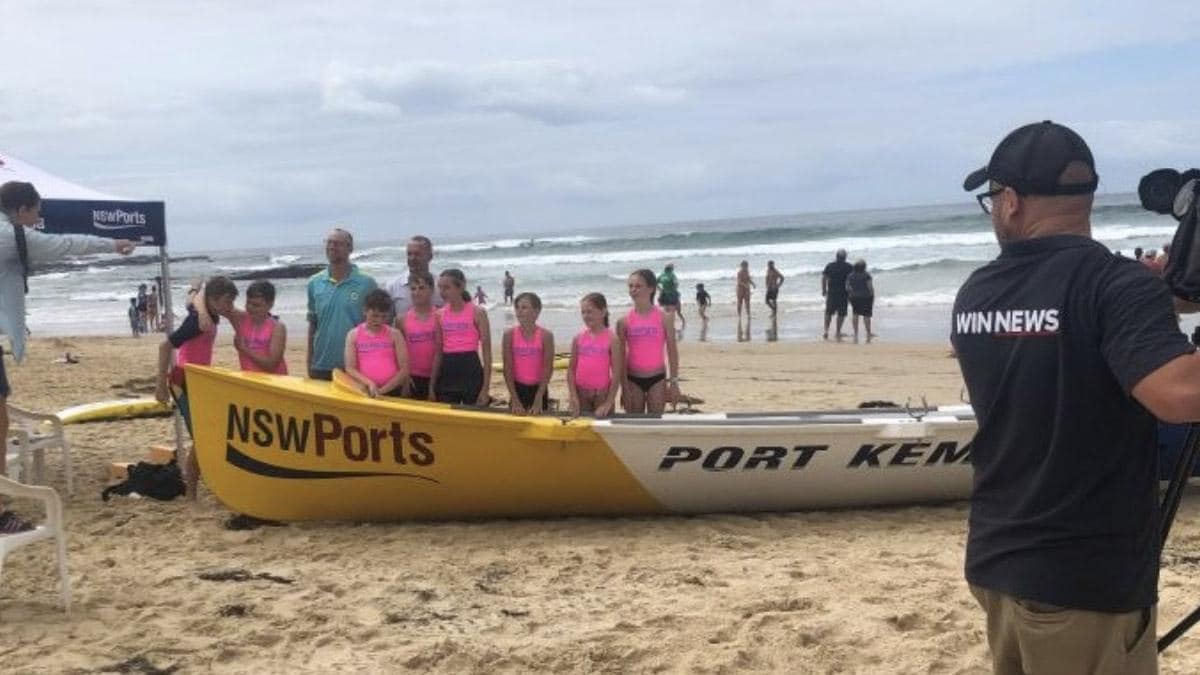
53	528
29	434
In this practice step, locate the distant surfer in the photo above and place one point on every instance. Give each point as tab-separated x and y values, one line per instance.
833	289
23	245
773	281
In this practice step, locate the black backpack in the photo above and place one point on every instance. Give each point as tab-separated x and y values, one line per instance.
158	481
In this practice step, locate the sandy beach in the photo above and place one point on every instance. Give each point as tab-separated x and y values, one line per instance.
855	591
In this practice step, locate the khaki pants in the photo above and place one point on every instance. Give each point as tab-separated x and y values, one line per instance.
1033	638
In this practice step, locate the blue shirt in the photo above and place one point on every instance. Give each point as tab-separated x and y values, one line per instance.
334	307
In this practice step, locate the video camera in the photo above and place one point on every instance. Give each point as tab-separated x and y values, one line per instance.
1170	192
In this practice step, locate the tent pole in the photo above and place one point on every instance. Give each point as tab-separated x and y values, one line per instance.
164	294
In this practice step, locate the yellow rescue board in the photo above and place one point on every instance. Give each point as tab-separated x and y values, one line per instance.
286	448
117	409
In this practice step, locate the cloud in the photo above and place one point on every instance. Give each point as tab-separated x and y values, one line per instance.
548	91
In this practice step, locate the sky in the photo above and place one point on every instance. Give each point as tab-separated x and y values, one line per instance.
269	122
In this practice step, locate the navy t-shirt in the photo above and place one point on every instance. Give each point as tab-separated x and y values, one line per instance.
1051	337
837	271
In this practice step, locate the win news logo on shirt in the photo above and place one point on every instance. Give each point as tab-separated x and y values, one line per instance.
1008	322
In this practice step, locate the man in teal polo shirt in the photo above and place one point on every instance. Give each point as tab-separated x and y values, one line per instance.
335	298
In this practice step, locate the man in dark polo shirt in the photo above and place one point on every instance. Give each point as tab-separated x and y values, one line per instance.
833	288
1068	352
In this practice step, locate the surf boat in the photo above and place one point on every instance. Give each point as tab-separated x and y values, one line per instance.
286	448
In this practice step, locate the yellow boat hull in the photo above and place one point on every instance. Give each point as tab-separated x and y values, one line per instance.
286	448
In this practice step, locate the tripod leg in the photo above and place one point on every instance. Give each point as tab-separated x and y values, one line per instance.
1170	505
1179	629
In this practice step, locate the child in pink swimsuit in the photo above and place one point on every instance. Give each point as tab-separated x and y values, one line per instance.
463	345
647	332
375	353
193	344
528	351
419	327
261	338
597	361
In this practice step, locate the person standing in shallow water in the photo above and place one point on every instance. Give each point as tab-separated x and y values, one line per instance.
833	289
668	294
774	281
743	284
861	290
510	285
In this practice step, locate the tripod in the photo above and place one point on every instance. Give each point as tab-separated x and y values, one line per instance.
1183	470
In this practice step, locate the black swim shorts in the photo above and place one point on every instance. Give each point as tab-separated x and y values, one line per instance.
772	293
863	306
836	304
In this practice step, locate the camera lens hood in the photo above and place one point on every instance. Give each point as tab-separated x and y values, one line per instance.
1157	190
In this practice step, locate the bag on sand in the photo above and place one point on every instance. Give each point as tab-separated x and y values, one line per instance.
158	481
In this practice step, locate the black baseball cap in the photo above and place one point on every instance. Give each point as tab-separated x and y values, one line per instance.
1031	161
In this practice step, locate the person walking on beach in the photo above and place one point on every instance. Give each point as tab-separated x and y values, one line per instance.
134	320
1068	353
152	309
22	246
143	319
744	283
510	285
335	297
668	294
418	253
833	289
861	290
703	300
481	298
774	280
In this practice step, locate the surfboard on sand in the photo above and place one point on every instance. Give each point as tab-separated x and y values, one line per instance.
116	409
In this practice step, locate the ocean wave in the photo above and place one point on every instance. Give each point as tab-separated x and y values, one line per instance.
103	296
284	259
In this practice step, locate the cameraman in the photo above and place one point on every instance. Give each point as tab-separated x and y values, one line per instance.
1069	353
